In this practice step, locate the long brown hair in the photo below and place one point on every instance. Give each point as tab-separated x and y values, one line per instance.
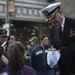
16	57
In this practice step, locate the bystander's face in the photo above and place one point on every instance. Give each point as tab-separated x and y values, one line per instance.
45	41
32	43
58	18
12	40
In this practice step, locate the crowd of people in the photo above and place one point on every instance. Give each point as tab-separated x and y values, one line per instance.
14	61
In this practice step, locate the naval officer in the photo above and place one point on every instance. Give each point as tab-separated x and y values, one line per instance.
60	32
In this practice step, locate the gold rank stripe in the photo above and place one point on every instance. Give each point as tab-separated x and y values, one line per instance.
50	16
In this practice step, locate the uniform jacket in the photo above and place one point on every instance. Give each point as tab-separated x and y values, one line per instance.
39	58
67	60
54	35
66	46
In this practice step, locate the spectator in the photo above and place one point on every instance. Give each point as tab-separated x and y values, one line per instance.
3	45
12	39
39	58
33	44
16	64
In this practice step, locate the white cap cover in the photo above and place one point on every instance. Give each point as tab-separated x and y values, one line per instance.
52	58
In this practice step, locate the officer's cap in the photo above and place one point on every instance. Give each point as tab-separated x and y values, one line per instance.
51	10
3	32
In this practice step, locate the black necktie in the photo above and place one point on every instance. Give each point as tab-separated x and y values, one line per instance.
60	31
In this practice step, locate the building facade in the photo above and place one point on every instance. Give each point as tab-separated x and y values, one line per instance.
26	21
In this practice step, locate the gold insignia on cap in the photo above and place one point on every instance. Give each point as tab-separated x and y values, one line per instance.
49	17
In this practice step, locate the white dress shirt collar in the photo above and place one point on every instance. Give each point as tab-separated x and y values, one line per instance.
62	24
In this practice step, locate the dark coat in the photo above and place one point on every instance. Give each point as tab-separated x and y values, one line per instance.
39	58
68	58
66	61
54	35
65	45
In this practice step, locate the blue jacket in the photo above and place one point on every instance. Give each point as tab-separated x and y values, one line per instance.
31	49
39	58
